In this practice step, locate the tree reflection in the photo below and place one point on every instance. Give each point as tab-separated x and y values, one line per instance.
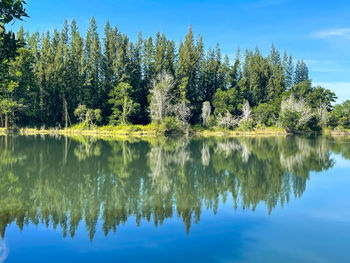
66	181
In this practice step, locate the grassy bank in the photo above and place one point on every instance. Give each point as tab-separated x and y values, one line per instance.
147	131
268	131
130	130
337	132
157	130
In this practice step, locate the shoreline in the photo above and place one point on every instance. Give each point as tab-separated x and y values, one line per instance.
145	131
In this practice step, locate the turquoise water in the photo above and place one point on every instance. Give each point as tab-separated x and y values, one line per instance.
174	200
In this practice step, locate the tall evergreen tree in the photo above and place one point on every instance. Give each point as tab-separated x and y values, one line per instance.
92	88
109	77
56	72
301	72
187	68
75	69
288	70
160	53
170	58
44	75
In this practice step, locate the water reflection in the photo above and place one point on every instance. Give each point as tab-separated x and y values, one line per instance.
64	181
3	251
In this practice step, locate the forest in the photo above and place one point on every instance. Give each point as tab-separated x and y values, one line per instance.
67	78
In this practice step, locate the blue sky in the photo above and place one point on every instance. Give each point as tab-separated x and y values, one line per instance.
316	31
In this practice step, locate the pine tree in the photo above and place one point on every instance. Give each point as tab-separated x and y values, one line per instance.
187	66
140	114
109	78
275	57
148	62
55	73
188	73
288	70
123	59
44	74
92	87
235	73
259	74
170	58
27	91
301	72
160	54
75	68
244	82
276	82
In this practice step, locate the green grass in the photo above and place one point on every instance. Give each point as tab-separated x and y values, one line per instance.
272	131
154	130
120	130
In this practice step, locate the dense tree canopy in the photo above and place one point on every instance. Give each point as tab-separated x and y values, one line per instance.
55	72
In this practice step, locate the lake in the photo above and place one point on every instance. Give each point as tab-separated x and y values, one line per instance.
174	200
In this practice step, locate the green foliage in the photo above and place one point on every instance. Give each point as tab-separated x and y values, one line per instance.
55	73
229	100
340	116
211	121
80	112
246	125
297	116
301	72
289	120
302	89
8	110
171	124
87	117
10	10
122	104
25	88
265	114
319	96
98	115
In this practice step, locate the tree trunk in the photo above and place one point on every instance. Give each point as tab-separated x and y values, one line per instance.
6	122
124	111
65	112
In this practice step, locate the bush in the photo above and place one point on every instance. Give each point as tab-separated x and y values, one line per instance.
246	125
296	116
289	120
264	114
211	122
171	124
135	128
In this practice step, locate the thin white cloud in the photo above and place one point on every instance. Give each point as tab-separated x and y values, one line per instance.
332	33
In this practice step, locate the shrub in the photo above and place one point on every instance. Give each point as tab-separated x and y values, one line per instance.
170	124
297	116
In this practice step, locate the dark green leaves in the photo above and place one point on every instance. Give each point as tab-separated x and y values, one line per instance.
10	10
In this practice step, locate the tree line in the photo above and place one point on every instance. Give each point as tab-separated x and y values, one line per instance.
60	78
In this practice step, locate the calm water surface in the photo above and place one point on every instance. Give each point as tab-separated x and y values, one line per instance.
174	200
